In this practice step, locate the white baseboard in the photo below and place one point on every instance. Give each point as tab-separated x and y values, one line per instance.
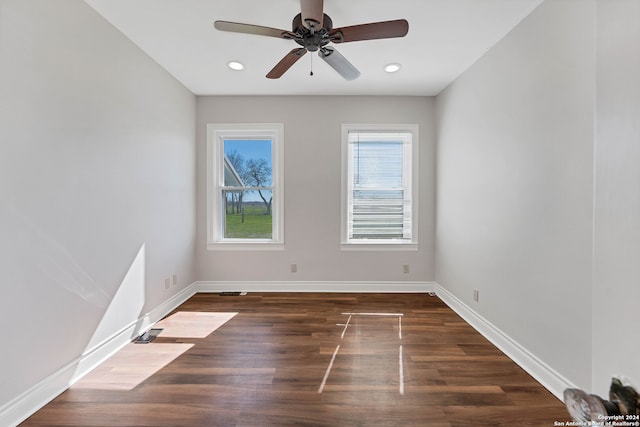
543	373
27	403
310	286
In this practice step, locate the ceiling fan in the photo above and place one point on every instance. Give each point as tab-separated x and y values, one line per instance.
313	30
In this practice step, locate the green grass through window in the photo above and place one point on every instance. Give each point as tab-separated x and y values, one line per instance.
256	225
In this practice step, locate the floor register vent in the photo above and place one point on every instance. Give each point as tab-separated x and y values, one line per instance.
148	336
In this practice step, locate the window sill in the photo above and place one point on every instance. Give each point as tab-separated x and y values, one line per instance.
368	246
248	246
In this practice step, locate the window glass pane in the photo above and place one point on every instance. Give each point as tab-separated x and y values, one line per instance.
247	214
378	215
377	164
247	162
248	203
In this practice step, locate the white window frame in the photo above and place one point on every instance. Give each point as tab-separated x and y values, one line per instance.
216	133
410	148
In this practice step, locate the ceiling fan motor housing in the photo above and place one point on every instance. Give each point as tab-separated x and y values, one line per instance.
312	40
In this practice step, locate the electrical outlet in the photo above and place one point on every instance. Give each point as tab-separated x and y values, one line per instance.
476	295
294	268
405	268
175	279
166	283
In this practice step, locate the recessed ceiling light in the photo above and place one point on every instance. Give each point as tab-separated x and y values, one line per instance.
235	65
392	68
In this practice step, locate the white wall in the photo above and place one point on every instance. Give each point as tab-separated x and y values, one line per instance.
515	183
97	186
312	190
616	294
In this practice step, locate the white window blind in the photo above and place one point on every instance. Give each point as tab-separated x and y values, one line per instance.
379	188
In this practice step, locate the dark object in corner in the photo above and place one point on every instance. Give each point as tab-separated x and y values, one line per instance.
583	407
148	336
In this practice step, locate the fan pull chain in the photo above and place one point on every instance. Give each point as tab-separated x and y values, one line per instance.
311	72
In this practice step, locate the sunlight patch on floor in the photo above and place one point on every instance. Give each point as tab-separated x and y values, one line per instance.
192	324
135	363
131	366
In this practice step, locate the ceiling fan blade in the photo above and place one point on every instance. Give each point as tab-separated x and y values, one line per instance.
286	63
374	30
339	63
312	13
236	27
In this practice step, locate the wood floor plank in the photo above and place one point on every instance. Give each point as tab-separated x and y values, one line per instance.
293	359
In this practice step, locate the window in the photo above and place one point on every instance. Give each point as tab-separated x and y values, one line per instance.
379	183
245	186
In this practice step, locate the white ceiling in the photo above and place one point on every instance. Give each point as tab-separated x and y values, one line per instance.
445	37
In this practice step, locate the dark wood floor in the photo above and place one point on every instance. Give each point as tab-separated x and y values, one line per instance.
297	359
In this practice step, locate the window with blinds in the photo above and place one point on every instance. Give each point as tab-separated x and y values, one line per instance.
379	181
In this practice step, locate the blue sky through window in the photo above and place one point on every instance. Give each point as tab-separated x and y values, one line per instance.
250	149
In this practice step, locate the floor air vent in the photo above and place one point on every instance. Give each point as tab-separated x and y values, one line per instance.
148	336
232	294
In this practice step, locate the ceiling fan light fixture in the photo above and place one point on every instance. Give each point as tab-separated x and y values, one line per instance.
235	65
392	68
